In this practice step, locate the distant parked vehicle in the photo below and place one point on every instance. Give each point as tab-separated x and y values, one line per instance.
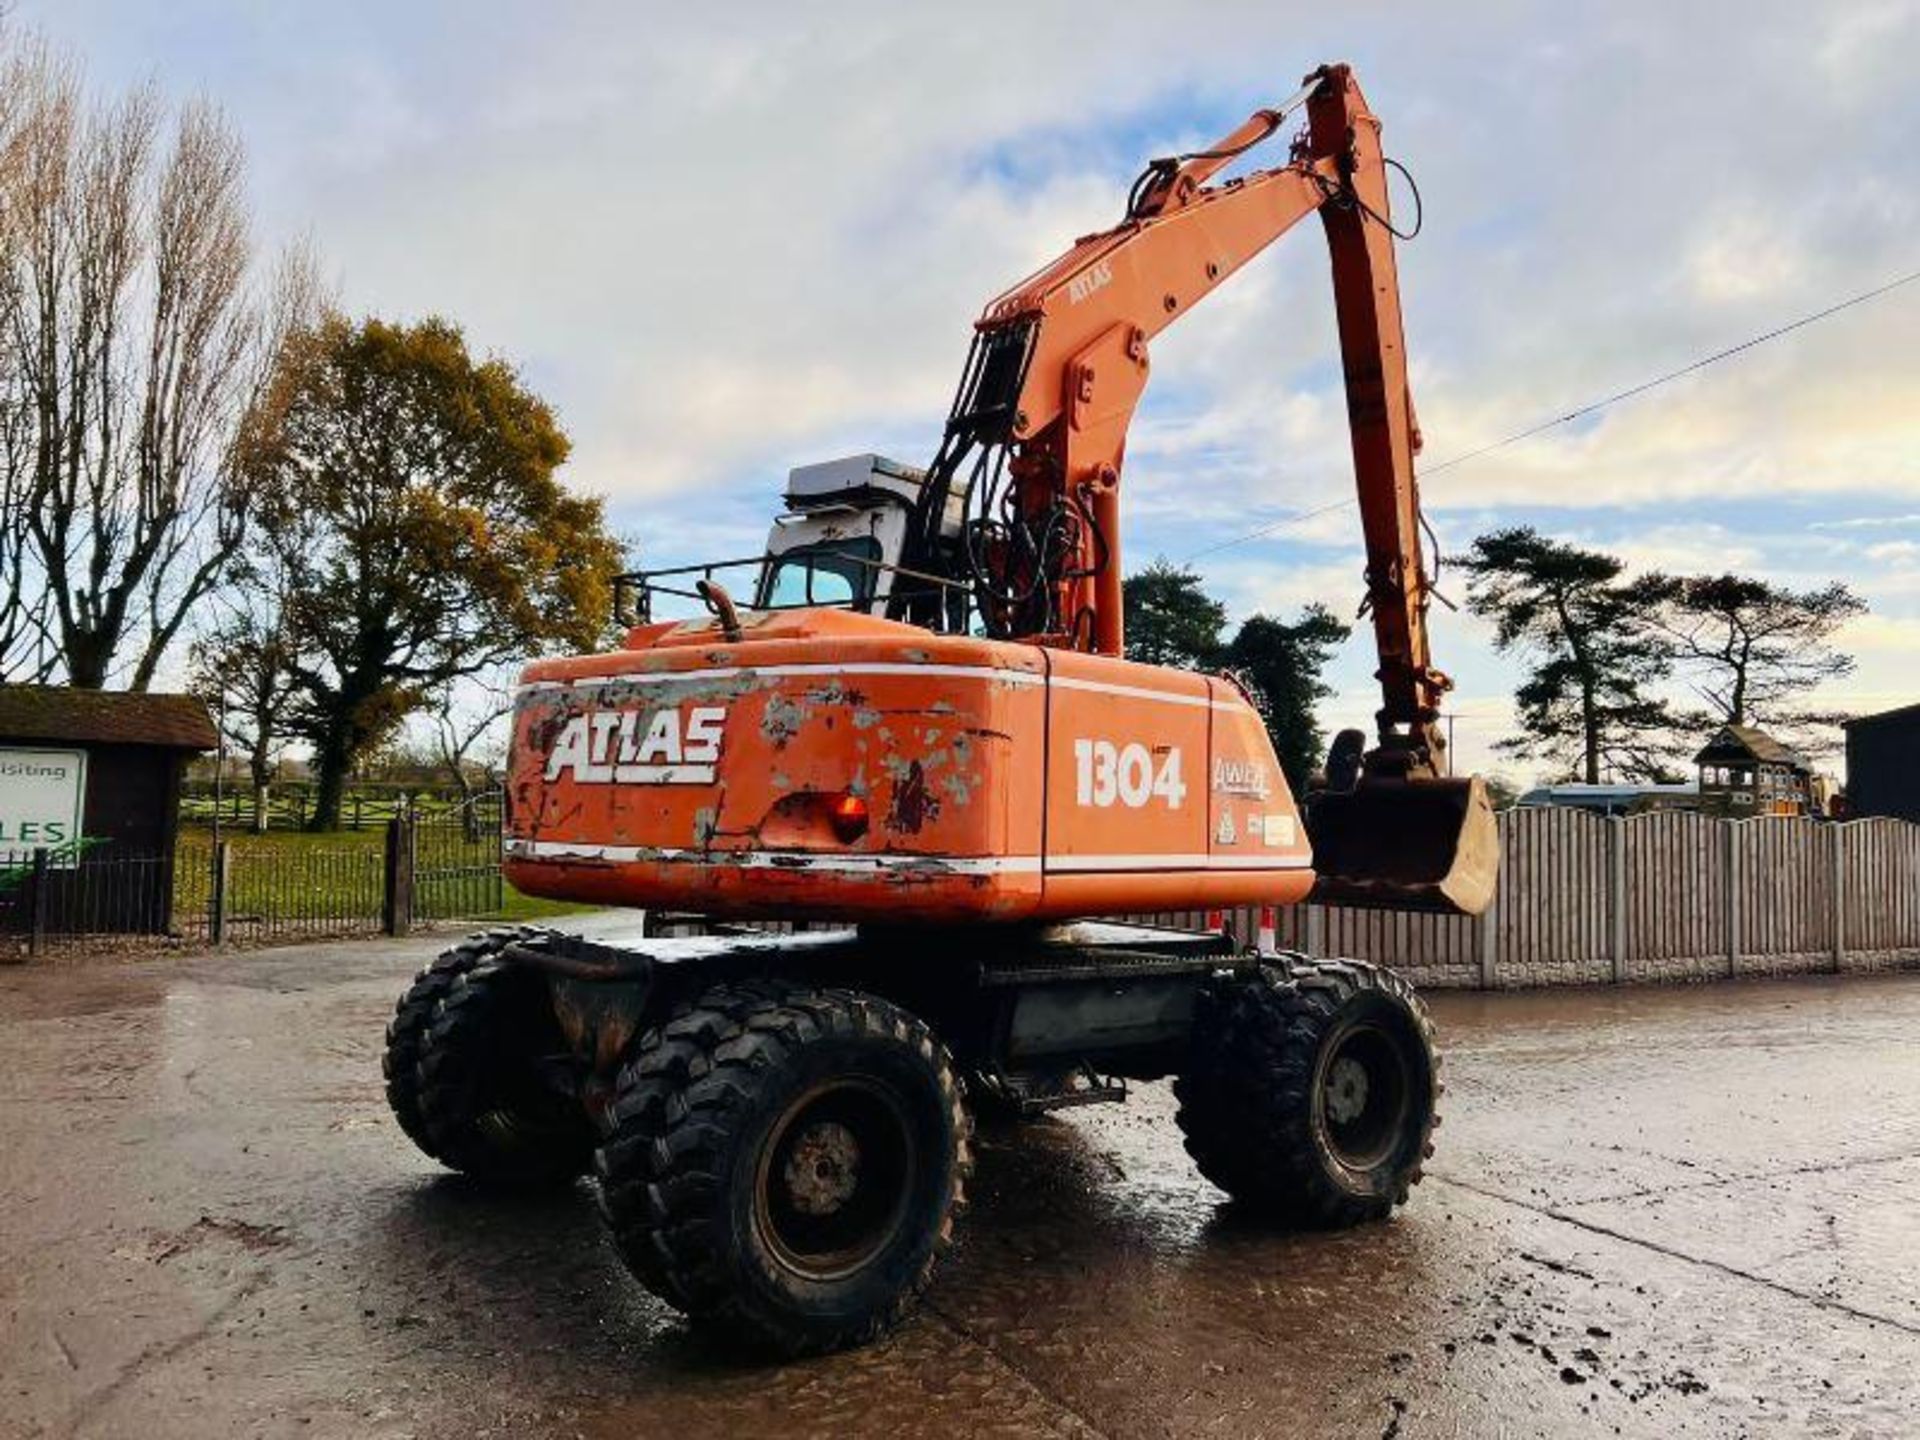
1614	799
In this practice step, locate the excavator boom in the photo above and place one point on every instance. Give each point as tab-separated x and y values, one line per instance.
1080	329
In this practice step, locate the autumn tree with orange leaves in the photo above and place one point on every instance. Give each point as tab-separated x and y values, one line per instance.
410	506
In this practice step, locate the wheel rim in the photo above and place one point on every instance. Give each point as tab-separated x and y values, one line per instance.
831	1186
1365	1096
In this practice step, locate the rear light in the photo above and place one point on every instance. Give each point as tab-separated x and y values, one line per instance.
848	814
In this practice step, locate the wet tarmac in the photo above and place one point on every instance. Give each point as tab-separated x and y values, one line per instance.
1653	1213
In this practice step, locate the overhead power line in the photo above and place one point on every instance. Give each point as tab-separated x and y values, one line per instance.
1580	412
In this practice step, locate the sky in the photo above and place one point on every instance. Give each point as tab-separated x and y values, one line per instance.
723	241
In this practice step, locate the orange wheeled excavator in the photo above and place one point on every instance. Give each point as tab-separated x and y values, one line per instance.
954	763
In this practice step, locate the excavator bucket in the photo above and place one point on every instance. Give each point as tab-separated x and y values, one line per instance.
1405	844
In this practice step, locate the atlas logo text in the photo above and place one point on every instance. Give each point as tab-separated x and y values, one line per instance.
1084	284
629	747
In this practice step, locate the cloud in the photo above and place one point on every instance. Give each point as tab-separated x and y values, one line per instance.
725	244
1868	522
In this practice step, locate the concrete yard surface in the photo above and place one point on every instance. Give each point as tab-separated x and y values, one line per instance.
1654	1212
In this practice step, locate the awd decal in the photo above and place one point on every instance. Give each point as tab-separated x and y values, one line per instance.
1241	777
609	746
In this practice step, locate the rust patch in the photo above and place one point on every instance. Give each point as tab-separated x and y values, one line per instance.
913	804
782	719
706	824
836	692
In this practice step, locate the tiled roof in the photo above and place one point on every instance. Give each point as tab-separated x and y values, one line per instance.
105	717
1747	741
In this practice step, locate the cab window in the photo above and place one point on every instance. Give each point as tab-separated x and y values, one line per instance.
830	573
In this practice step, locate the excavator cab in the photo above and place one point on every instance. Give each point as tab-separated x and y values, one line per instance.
1388	836
839	542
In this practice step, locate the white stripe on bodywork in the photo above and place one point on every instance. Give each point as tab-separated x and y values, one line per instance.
880	864
775	859
664	677
962	672
1177	862
1140	692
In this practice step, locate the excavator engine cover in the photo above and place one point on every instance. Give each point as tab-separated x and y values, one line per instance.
823	764
1420	843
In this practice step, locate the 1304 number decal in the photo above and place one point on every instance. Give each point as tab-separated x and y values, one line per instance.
1106	774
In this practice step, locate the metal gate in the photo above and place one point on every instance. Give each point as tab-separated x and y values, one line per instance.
456	859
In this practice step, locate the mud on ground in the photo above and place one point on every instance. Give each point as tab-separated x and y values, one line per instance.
1653	1213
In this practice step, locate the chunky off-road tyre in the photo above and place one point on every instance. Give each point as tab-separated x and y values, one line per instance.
466	1068
415	1012
787	1163
1311	1089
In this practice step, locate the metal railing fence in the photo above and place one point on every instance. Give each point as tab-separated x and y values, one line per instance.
440	867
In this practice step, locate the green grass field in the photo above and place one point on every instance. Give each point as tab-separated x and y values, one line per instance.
294	873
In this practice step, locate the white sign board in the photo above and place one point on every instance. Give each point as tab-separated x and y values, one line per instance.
43	794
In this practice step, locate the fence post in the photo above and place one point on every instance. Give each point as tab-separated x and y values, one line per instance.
498	843
1488	975
222	883
39	904
1839	851
1617	895
1732	879
1316	932
396	901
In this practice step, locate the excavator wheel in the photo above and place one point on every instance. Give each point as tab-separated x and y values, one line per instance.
787	1162
464	1070
413	1016
1311	1090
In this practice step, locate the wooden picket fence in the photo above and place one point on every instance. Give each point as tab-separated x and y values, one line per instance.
1669	895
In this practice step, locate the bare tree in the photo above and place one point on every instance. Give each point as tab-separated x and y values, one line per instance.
241	667
468	736
24	608
1755	650
142	350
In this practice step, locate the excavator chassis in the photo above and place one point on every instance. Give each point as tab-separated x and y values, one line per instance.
780	1125
1116	998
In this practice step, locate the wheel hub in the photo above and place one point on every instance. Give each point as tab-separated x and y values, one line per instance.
823	1169
1364	1095
1346	1090
834	1175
